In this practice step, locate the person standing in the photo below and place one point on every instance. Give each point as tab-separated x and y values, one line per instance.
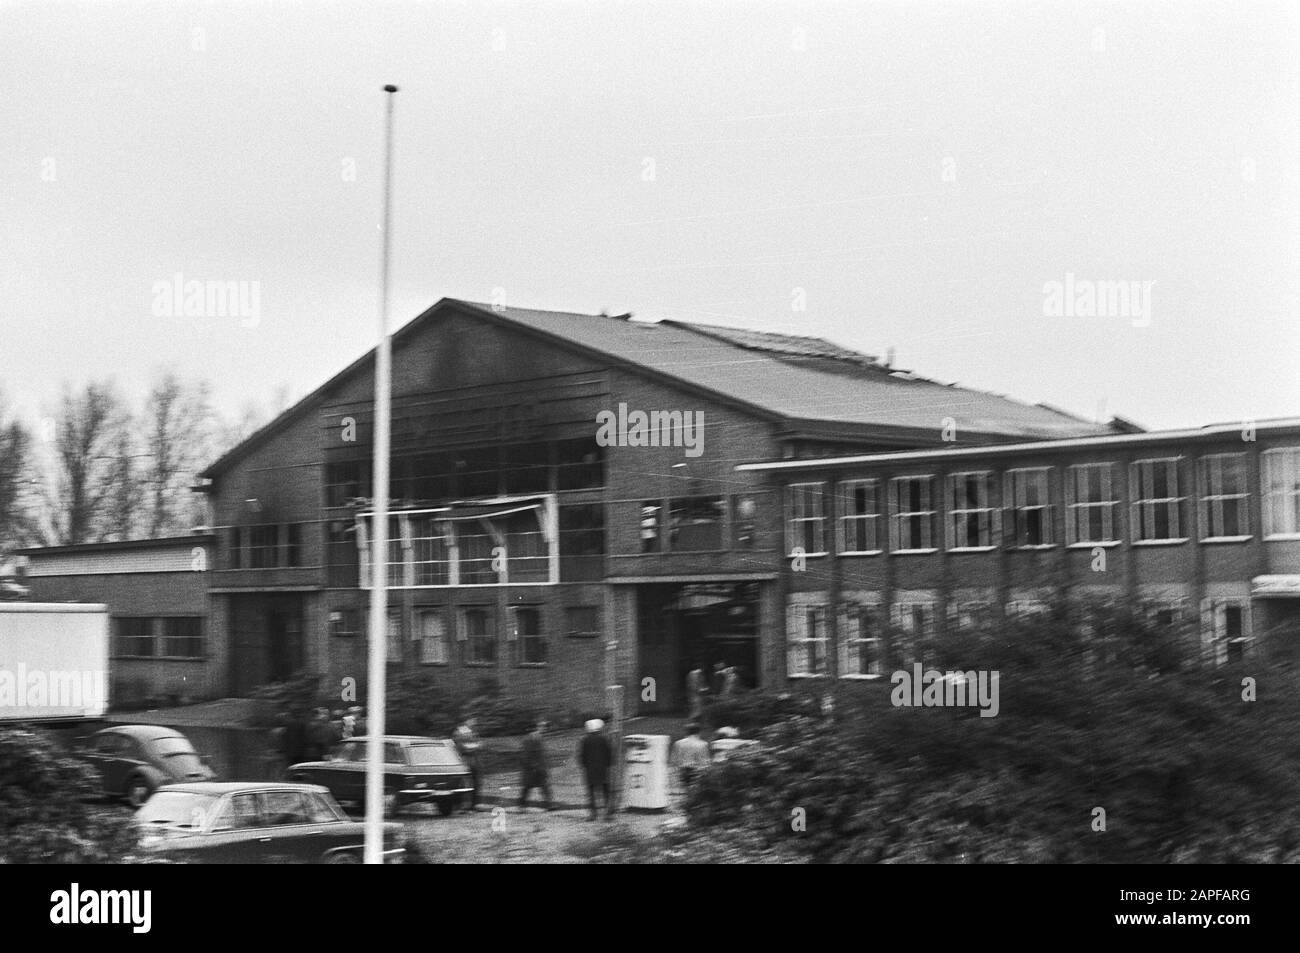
690	755
535	772
468	745
697	684
595	756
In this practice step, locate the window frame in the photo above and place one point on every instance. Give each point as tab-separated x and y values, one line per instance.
953	512
1272	512
515	635
1109	507
490	636
798	616
850	610
796	509
1214	643
1137	490
897	514
845	513
1208	502
420	635
1015	491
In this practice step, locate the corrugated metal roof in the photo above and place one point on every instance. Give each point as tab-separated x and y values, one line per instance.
866	394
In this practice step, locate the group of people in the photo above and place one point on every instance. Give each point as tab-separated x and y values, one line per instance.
305	736
595	756
723	682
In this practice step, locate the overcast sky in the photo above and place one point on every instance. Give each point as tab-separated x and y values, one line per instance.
912	175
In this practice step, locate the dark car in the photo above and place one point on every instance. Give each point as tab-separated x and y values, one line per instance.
134	761
415	769
255	822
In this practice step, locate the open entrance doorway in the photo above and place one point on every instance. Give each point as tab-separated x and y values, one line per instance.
684	624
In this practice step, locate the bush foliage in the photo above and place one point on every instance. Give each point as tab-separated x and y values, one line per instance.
45	816
1099	708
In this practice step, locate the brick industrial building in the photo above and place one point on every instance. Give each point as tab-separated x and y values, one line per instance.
1199	526
520	543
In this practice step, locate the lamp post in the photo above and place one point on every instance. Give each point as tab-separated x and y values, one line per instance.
374	825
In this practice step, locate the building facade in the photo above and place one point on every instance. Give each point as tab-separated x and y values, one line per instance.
1199	526
566	510
163	648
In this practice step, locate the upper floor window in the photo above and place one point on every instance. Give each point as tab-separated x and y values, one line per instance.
1090	504
1224	498
1281	491
970	517
805	518
914	621
263	546
1157	503
696	523
859	514
912	521
1028	493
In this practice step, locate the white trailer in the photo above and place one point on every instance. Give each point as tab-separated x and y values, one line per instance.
53	661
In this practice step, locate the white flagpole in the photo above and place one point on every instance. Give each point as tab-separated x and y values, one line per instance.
379	537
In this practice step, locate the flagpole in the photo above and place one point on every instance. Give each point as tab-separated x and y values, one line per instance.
374	826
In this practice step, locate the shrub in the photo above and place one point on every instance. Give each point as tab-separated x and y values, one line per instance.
44	817
1124	720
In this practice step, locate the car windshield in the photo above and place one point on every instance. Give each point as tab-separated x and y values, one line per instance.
176	809
433	754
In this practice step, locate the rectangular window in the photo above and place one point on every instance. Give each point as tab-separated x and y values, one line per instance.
479	636
970	517
528	635
431	540
345	481
1226	633
912	521
183	637
135	637
806	640
651	526
696	523
431	631
293	544
263	546
1224	499
1090	504
859	515
805	518
582	622
235	548
1157	507
1281	478
1028	495
582	542
345	623
862	643
580	464
915	624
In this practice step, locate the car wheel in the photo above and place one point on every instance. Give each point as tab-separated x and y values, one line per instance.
446	805
343	857
137	792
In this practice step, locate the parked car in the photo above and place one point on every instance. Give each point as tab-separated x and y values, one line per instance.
415	770
255	822
134	761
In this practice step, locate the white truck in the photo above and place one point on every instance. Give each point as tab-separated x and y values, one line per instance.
53	661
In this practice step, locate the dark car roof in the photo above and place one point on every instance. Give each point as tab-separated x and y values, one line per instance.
218	788
142	732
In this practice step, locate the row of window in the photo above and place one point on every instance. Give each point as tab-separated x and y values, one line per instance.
171	637
505	470
474	630
865	629
264	546
970	510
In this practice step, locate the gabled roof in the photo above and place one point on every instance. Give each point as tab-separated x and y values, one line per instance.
790	378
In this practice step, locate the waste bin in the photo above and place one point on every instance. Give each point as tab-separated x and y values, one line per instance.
645	777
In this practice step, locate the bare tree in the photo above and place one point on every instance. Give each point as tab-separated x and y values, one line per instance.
15	480
178	425
124	505
87	441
